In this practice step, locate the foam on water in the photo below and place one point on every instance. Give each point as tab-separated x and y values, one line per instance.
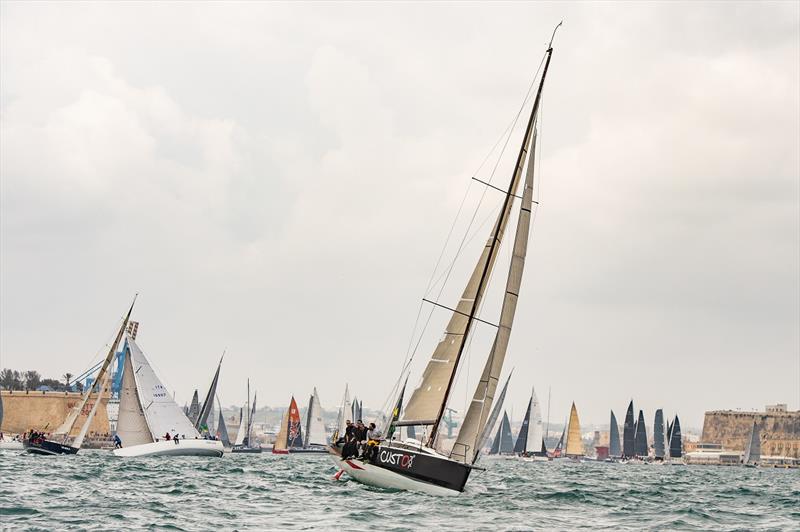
97	491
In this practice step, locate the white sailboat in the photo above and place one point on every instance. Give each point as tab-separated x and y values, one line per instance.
37	444
148	413
428	467
315	440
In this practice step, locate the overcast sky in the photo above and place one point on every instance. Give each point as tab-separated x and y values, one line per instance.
279	179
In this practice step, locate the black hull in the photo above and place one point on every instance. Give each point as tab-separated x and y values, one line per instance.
421	466
245	450
310	450
48	448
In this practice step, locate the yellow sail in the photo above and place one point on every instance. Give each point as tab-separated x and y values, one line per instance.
283	433
574	441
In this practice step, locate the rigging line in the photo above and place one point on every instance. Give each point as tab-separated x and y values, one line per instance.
483	195
497	163
507	134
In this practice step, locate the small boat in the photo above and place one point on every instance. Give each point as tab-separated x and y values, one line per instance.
574	449
244	436
315	441
530	440
148	413
430	466
37	444
752	451
290	435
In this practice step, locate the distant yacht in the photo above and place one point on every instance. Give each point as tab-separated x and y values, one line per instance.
39	445
530	440
148	414
290	435
614	450
752	452
244	436
574	437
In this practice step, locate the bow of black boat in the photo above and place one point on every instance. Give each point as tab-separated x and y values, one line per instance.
47	447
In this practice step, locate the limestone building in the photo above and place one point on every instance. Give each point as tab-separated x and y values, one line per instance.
780	430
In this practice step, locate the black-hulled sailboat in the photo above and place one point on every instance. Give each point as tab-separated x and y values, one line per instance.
428	466
37	444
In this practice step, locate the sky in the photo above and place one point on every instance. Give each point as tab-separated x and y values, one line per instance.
278	180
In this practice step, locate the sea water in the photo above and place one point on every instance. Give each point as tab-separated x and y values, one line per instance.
97	491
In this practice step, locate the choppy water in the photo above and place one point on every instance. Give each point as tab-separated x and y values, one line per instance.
97	491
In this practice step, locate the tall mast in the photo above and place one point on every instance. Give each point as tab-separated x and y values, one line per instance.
99	381
495	240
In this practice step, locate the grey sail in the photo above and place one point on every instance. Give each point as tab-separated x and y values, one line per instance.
669	432
752	452
628	432
658	435
675	444
194	408
208	404
498	405
614	449
560	445
249	440
222	429
504	441
522	437
640	437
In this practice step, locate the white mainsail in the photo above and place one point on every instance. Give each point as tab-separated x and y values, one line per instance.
315	427
162	413
240	434
535	433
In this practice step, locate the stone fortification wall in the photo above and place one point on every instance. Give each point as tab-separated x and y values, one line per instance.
46	411
780	432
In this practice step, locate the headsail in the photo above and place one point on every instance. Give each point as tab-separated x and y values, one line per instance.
194	408
343	413
574	438
522	438
675	442
160	410
498	405
640	437
479	408
658	435
132	426
242	431
628	431
222	429
315	427
250	440
613	438
208	403
752	452
504	441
